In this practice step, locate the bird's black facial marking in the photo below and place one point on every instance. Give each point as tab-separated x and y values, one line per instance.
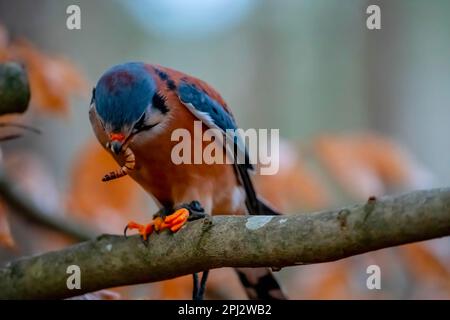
171	85
165	77
116	129
159	103
93	95
162	75
140	123
141	126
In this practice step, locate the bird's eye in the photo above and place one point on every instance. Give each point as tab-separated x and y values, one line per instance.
139	124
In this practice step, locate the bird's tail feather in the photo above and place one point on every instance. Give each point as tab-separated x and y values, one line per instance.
259	283
255	205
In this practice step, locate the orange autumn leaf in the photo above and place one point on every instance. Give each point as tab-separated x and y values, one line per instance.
6	239
34	179
53	80
425	264
222	283
107	206
3	44
339	156
294	186
176	289
368	164
333	283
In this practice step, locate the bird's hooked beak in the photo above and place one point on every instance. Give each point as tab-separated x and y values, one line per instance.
116	141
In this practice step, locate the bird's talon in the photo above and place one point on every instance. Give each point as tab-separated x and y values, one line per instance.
125	232
174	222
143	230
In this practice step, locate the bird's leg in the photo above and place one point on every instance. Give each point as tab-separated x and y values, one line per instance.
199	288
195	286
196	211
184	213
174	222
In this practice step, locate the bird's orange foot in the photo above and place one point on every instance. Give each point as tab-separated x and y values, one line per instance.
174	222
144	229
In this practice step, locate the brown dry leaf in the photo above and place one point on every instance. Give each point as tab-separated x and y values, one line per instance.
424	264
33	176
6	239
35	180
106	206
387	158
3	43
369	164
339	156
294	186
222	283
321	281
109	206
176	289
53	80
332	284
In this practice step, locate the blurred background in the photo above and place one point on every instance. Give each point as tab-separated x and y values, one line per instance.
361	113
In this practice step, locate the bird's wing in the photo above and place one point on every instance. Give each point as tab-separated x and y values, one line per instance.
207	105
214	115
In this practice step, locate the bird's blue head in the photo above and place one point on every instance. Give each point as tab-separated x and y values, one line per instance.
123	98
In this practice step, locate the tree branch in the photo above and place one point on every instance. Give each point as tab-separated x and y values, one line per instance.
233	241
17	200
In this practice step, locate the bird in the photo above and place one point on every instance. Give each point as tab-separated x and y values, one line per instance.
134	110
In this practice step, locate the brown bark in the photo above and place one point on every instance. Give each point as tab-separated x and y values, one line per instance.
233	241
